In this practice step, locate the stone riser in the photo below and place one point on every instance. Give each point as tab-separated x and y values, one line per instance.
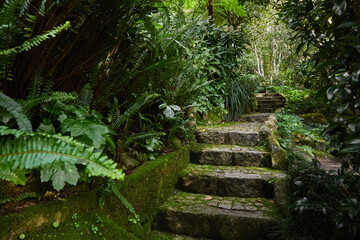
265	101
267	110
231	158
220	224
228	137
254	117
231	187
271	105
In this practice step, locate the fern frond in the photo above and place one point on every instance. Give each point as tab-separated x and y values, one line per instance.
114	111
17	111
85	96
36	41
24	150
134	108
126	203
26	195
55	96
142	136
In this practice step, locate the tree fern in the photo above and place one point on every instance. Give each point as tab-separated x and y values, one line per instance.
17	111
56	153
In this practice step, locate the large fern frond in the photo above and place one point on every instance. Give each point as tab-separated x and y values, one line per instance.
17	111
24	150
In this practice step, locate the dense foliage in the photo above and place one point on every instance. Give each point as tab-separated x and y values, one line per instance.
329	30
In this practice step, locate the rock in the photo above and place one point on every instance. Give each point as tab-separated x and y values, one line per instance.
311	118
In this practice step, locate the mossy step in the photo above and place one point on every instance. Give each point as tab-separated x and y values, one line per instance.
215	217
255	117
267	110
230	155
157	235
271	105
267	94
244	134
229	181
266	101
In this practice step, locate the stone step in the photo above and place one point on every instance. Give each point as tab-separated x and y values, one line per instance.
267	110
227	218
229	180
255	117
156	235
262	102
271	98
230	155
239	133
271	105
267	94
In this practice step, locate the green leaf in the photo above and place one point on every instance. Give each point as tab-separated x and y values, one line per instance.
355	148
87	128
355	140
342	107
60	175
330	93
347	25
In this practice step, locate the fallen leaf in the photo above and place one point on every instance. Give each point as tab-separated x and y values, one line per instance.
208	198
258	200
202	130
196	172
272	201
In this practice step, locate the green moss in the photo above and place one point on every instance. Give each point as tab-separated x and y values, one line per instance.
279	158
314	118
321	154
146	189
88	226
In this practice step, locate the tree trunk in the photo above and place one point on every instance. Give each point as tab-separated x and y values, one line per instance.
210	9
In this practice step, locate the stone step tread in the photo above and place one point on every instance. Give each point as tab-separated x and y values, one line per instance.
231	181
270	105
268	110
255	117
233	172
234	126
267	94
229	148
217	217
189	202
238	133
156	235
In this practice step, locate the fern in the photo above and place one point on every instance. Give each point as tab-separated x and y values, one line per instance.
55	96
24	150
26	195
27	45
85	96
142	136
20	197
126	203
134	108
17	111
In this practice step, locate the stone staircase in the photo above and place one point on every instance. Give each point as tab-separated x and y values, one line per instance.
269	102
227	191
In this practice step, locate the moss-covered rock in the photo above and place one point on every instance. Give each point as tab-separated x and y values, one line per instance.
146	189
215	116
311	118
